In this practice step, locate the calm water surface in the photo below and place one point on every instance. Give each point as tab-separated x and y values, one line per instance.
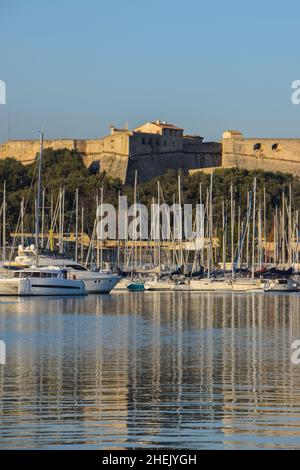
131	370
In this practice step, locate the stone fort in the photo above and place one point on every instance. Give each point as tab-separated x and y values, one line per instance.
155	147
151	149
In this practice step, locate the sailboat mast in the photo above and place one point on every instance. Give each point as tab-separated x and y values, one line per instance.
97	238
224	236
4	221
276	236
101	241
135	223
39	192
76	227
283	230
248	229
232	229
290	226
265	228
253	228
211	221
158	224
43	219
82	227
22	221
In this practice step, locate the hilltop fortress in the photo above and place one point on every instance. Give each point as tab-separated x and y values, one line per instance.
155	147
151	149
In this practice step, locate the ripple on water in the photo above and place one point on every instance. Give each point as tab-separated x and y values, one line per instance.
155	369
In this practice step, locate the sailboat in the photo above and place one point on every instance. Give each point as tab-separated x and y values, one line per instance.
135	285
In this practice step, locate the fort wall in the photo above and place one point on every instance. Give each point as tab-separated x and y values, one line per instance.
266	154
150	149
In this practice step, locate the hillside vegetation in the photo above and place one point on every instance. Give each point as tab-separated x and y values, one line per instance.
65	169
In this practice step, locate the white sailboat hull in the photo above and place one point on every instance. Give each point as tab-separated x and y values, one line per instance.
277	286
207	285
158	286
122	285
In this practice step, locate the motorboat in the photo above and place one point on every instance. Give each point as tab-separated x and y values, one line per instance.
131	285
136	286
38	281
96	282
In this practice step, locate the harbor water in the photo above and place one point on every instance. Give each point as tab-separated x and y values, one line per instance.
150	369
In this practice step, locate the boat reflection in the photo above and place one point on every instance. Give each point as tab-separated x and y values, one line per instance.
169	369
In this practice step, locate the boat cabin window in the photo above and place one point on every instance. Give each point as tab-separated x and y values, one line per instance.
76	267
24	274
282	281
34	274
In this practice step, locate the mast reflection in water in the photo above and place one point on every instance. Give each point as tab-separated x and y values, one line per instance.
150	369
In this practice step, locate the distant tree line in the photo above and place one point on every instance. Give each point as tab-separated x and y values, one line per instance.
65	169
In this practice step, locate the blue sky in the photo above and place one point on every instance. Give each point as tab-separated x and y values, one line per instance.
75	67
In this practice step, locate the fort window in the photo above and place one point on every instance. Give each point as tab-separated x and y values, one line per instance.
257	146
143	141
275	147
